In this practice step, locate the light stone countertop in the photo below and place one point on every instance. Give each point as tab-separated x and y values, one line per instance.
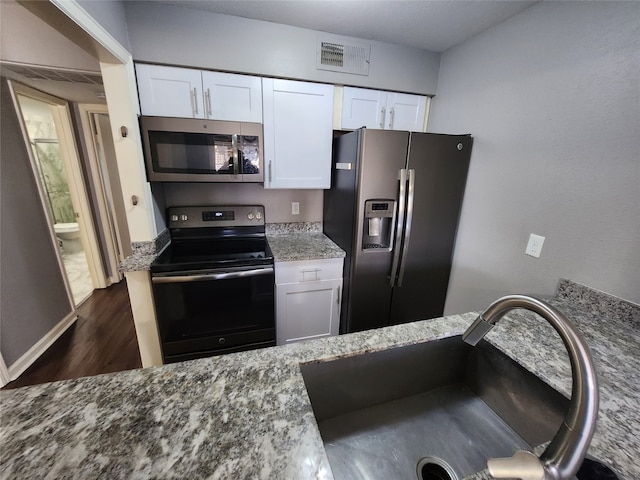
288	247
247	415
290	242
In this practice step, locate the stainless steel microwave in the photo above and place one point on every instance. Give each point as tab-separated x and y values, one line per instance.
193	150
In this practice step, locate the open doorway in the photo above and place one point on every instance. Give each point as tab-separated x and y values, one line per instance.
54	173
57	168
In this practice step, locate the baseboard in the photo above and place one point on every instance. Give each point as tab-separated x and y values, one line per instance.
31	355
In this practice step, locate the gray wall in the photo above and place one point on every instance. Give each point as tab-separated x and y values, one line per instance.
32	295
552	97
182	36
277	203
111	16
25	38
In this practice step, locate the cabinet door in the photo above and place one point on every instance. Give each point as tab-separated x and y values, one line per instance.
298	131
307	310
170	91
406	112
362	107
232	97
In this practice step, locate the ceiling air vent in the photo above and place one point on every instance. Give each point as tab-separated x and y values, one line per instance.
338	56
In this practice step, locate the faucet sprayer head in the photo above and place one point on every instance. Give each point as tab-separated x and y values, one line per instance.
476	332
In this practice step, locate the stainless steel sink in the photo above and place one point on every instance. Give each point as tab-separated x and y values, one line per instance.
443	402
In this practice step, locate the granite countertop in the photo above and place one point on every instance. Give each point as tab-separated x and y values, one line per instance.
247	415
300	241
288	242
303	246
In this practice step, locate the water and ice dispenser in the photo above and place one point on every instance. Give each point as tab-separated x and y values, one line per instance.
377	231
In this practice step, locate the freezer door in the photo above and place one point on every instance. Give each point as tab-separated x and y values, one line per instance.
439	164
382	155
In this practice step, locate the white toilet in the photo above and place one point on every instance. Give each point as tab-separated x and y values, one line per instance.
69	235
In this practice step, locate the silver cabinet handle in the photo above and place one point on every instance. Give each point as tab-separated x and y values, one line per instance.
407	229
391	115
207	99
315	272
338	299
269	171
212	276
402	200
383	113
195	102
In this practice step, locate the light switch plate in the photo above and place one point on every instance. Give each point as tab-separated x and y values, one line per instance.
295	208
534	247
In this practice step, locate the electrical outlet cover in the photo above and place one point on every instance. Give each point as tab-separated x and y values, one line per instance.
534	247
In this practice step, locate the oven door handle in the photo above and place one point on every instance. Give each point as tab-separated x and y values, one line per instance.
212	276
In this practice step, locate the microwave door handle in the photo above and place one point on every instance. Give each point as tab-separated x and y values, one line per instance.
234	142
402	200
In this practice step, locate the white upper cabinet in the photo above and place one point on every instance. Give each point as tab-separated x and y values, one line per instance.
232	97
189	93
405	112
363	107
298	133
170	91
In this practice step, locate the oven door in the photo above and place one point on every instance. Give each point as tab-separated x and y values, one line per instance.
201	314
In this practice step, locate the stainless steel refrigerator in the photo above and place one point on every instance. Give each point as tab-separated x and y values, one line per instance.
393	206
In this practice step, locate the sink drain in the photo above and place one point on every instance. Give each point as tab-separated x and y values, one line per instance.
432	468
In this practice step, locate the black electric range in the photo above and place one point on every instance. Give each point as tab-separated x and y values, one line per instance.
213	285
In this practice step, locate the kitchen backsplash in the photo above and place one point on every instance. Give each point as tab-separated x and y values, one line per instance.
277	203
293	227
598	302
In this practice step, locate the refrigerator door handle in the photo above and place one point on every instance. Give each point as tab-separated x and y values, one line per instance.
402	175
407	229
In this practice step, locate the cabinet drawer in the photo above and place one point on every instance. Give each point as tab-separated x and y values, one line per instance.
308	270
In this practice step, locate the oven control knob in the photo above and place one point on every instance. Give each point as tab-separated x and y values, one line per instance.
258	215
184	218
222	340
174	218
250	216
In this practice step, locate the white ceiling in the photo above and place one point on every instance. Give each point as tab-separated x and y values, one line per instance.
435	25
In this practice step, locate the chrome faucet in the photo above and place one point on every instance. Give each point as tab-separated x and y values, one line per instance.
564	455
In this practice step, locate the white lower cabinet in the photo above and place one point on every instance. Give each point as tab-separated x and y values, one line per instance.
308	299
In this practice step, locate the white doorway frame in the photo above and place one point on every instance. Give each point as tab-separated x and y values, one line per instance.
77	187
118	75
115	245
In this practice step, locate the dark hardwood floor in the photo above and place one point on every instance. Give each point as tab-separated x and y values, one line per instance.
102	340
